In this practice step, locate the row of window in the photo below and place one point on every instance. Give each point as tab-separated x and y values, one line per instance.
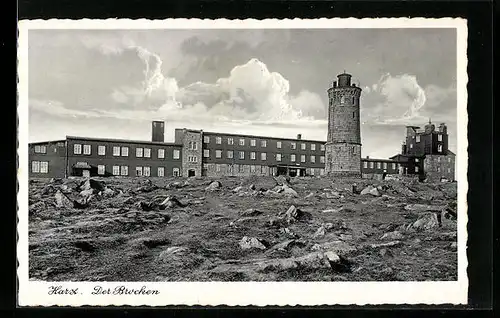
439	159
139	171
260	169
263	156
263	143
123	151
440	147
417	138
39	167
40	149
380	165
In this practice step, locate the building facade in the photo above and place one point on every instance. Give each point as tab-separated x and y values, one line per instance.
343	146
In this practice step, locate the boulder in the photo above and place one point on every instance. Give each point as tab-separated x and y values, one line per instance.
289	191
92	184
107	192
287	245
251	212
335	246
321	231
375	192
251	243
37	207
395	235
62	201
293	214
310	195
252	187
215	185
172	251
367	190
171	202
427	221
282	180
388	244
86	193
147	206
237	189
147	186
423	207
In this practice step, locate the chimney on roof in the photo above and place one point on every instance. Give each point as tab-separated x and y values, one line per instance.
158	131
367	157
299	136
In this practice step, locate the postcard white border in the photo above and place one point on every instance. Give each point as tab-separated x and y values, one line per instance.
34	293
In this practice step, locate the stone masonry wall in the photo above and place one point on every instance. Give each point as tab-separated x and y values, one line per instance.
439	166
343	159
187	152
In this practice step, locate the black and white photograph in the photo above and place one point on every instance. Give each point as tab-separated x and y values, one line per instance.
220	157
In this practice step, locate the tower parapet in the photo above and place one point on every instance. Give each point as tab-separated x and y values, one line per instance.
343	147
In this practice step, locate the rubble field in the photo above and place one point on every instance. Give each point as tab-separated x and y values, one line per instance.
241	229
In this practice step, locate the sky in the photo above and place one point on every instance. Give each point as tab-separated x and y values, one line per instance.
267	82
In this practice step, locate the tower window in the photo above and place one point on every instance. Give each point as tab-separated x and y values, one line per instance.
353	100
353	114
342	99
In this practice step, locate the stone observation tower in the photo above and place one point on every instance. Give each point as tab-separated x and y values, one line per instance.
343	146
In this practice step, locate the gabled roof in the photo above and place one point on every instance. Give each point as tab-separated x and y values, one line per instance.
449	152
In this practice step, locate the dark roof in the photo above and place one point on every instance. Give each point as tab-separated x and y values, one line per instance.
125	141
375	159
263	137
46	142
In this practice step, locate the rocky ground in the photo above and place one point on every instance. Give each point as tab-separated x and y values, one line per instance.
241	229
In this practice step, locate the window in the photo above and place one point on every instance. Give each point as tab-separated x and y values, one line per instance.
365	164
353	113
411	146
440	148
60	144
293	145
77	149
116	170
393	166
101	169
218	140
206	139
161	153
263	143
263	169
193	145
116	151
312	171
230	154
206	153
124	170
147	171
138	171
322	147
177	154
385	165
313	147
218	153
35	166
242	142
230	141
321	171
303	146
192	159
342	99
101	150
278	144
41	149
313	159
449	159
416	169
417	138
242	155
252	169
378	165
230	168
241	168
278	157
86	149
371	165
253	142
439	159
322	159
252	155
217	167
139	152
449	170
416	159
147	152
125	152
303	158
161	171
292	158
263	156
440	137
176	172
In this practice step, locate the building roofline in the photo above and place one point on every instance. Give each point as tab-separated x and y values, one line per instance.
263	137
125	141
375	159
46	142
